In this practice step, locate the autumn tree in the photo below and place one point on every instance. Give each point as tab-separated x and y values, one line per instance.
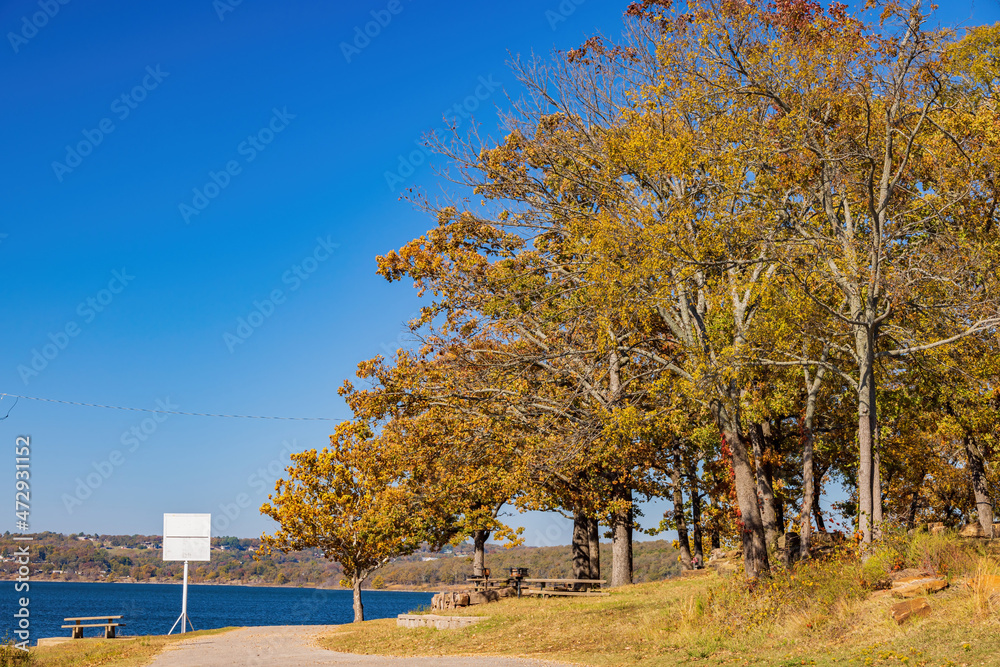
349	502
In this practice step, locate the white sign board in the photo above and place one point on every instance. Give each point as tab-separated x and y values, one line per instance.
187	536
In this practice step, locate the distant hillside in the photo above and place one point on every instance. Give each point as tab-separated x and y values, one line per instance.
137	558
651	561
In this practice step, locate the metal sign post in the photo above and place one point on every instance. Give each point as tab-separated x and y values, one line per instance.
186	537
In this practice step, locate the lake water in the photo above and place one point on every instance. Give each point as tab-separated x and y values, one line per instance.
150	609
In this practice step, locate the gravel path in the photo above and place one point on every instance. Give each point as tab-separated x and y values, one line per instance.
293	646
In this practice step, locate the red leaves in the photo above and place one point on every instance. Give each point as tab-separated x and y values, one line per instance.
727	457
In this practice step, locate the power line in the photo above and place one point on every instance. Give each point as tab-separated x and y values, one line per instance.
164	412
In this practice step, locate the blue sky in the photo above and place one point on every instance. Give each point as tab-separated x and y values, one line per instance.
194	194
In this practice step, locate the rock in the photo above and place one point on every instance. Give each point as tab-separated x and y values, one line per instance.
939	530
934	524
911	587
717	554
903	611
449	600
434	621
727	567
483	597
508	592
990	584
734	554
909	573
974	529
790	548
442	601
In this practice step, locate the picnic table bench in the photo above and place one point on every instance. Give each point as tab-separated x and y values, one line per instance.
109	625
568	587
484	583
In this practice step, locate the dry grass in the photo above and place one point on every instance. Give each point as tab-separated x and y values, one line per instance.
823	613
985	588
124	652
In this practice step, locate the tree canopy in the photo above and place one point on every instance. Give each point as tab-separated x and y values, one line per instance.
747	250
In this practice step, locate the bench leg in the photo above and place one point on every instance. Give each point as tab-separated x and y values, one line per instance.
109	632
76	633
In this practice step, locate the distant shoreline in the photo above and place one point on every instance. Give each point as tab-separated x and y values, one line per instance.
229	583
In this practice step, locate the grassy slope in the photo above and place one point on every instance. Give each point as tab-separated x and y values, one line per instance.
824	615
119	652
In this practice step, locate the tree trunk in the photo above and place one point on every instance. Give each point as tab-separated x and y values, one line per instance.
479	538
911	513
876	480
772	435
779	504
581	546
977	469
755	560
715	539
594	538
866	368
810	496
359	609
680	522
696	524
805	517
621	544
817	511
764	488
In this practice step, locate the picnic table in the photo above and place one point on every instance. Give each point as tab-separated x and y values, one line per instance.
109	624
485	583
568	587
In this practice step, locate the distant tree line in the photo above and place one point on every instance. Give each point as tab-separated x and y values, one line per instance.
60	557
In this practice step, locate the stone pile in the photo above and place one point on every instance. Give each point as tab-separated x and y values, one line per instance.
972	530
459	599
917	585
820	543
911	584
726	562
937	528
904	611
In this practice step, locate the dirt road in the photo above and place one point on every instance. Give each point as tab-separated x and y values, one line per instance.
294	646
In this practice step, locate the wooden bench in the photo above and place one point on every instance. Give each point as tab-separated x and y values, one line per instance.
482	583
546	587
78	625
